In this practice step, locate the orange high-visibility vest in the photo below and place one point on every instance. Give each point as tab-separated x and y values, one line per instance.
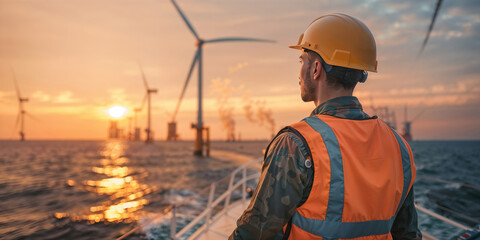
363	171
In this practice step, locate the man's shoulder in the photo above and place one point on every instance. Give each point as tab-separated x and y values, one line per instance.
287	135
303	121
284	137
287	140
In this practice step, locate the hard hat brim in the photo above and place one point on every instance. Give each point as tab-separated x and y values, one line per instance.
365	68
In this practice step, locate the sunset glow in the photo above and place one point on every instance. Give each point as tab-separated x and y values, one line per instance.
55	65
117	111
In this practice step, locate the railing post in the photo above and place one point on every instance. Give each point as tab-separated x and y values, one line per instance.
244	185
173	223
209	205
229	190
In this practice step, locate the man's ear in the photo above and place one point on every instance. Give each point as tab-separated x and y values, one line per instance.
317	69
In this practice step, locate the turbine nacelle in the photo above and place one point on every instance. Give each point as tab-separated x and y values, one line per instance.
199	42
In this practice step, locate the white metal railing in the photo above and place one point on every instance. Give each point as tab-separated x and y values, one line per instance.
442	218
205	215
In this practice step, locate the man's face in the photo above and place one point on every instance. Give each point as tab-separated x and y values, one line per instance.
307	86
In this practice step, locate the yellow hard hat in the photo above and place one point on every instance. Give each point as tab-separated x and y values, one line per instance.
341	40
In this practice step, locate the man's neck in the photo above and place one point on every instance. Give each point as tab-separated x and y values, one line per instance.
330	93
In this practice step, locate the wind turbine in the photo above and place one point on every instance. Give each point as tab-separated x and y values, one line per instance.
21	110
197	58
149	91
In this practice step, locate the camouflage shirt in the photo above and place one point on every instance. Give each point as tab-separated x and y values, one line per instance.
285	183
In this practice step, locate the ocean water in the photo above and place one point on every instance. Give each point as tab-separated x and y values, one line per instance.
103	189
456	162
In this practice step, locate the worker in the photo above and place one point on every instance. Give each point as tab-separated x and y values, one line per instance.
339	173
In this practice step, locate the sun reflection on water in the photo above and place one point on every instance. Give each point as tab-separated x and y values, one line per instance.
126	193
111	171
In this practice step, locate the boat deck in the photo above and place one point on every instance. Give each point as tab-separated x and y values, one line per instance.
223	224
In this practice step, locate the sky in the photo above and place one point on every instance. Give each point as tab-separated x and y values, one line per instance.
75	59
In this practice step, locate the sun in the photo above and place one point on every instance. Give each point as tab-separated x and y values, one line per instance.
117	111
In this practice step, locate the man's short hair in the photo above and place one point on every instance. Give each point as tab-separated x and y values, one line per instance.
337	76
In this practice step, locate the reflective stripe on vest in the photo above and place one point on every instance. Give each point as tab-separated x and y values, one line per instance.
332	227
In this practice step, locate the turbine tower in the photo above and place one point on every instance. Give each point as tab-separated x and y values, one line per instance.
197	58
21	110
149	91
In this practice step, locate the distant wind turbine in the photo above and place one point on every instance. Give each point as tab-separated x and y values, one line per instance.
21	110
197	58
149	91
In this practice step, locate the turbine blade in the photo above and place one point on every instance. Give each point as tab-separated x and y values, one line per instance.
430	28
144	78
195	58
16	85
230	39
186	20
18	120
143	101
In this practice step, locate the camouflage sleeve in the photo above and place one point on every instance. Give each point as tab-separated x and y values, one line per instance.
278	193
405	225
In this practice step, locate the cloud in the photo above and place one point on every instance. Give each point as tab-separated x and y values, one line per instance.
237	67
460	93
401	23
41	96
6	97
118	95
65	97
430	101
398	6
